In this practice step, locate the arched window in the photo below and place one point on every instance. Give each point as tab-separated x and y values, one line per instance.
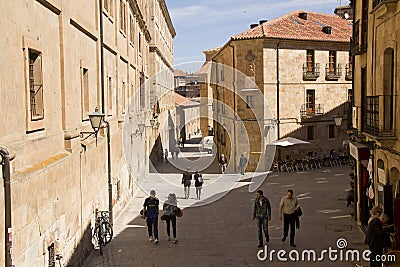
388	89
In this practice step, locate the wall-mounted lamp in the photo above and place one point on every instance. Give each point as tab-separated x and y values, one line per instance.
139	130
338	120
96	118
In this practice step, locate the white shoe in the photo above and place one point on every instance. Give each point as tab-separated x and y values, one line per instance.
150	238
156	241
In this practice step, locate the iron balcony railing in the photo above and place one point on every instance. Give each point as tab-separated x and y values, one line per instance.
310	71
379	116
311	110
349	72
333	71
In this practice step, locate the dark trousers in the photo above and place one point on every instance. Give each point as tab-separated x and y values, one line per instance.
152	223
289	219
262	224
171	218
373	257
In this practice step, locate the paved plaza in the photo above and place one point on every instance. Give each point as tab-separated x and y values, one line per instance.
218	230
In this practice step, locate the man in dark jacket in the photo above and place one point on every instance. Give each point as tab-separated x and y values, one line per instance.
262	212
377	239
150	209
186	181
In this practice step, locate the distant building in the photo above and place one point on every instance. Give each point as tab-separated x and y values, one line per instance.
186	84
187	116
300	62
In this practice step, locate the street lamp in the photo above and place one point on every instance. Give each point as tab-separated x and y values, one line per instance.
96	118
338	120
139	130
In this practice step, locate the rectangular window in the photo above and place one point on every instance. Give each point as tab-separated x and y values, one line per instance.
310	132
310	60
250	101
142	94
131	30
123	98
36	85
110	95
310	101
85	93
122	16
140	42
331	131
332	61
350	95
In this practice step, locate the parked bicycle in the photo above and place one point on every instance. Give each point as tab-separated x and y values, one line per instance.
103	231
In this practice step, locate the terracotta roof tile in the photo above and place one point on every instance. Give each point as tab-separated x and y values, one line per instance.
179	73
183	101
291	26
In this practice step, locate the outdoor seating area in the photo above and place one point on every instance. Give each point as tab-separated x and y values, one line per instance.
311	162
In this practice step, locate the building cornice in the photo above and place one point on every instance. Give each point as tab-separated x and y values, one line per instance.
167	17
139	16
153	48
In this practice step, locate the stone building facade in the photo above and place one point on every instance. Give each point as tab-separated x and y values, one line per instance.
300	65
375	47
65	59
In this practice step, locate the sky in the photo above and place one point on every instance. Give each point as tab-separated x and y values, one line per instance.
206	24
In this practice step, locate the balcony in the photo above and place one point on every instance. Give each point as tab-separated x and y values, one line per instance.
379	117
349	72
310	71
358	45
308	111
333	72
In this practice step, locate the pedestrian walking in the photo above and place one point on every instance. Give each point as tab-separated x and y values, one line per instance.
242	164
287	207
198	183
262	212
169	208
377	239
186	181
166	155
176	151
223	163
150	209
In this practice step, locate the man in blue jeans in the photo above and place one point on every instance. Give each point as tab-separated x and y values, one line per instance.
262	212
150	209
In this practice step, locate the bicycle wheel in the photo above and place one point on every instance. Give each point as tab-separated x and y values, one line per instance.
107	232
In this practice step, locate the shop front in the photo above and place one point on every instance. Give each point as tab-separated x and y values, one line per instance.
360	155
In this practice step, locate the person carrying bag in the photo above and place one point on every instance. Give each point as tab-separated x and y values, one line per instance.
170	207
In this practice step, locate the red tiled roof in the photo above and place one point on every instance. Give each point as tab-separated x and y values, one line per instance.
183	101
291	26
179	73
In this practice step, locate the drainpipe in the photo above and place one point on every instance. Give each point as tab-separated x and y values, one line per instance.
102	58
5	159
234	107
277	91
277	98
110	194
103	110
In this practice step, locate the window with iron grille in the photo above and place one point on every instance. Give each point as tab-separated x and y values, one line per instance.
36	85
310	101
